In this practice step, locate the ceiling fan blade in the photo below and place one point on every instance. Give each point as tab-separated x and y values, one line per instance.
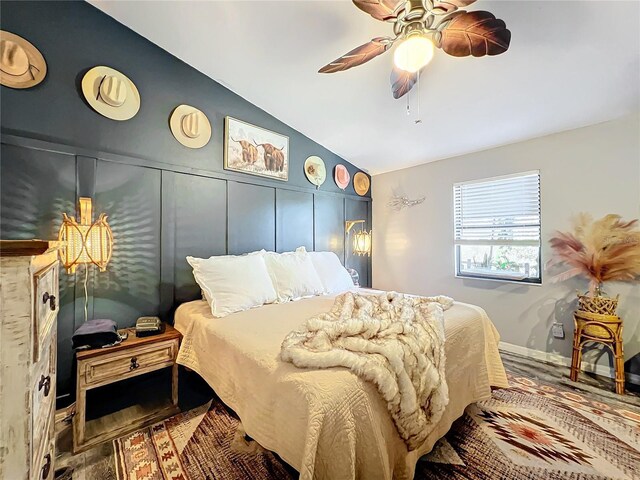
442	7
358	55
474	33
402	81
381	9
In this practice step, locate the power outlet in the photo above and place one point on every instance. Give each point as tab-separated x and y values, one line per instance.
557	330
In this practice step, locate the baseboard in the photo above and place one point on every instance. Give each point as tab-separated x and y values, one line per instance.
557	359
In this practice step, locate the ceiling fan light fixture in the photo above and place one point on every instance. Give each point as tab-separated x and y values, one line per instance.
413	53
419	26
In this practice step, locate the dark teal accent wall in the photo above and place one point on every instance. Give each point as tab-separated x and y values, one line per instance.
164	201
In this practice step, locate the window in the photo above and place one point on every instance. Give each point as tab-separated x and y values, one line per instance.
497	228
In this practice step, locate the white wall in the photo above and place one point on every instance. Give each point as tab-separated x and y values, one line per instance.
594	169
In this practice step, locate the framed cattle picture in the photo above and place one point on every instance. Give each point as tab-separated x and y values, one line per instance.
255	150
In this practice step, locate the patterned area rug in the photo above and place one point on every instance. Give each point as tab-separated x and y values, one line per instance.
538	431
530	431
205	443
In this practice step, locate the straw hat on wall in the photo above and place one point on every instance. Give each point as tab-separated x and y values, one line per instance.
21	64
111	93
190	126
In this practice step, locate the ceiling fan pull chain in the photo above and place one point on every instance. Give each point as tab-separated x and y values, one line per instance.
408	107
419	119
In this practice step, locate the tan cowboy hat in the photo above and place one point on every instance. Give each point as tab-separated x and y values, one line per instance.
361	183
315	170
341	176
190	126
111	93
21	64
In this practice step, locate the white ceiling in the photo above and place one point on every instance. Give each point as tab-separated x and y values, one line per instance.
571	64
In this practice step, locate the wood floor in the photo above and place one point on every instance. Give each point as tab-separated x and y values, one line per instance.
97	463
595	386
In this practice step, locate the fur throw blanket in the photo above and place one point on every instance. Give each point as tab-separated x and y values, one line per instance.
392	340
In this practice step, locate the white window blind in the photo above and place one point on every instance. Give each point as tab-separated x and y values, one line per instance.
498	211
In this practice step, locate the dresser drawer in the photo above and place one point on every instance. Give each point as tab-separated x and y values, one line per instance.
43	396
133	362
46	305
44	463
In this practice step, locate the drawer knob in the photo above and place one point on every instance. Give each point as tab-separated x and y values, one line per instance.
134	363
45	382
46	468
49	298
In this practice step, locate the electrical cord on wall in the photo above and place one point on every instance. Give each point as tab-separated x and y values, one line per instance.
86	295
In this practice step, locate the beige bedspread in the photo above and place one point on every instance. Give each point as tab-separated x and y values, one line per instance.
328	424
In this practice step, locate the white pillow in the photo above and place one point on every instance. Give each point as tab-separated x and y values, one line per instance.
293	275
233	283
334	277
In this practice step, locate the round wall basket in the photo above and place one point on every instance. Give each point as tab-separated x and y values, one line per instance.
315	170
361	183
341	176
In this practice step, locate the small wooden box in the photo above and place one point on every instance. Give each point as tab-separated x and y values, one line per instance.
103	366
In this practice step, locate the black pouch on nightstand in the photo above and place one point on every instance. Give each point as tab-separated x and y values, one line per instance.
96	334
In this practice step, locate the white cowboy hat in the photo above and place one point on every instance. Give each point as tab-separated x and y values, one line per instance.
111	93
21	64
341	176
190	126
315	170
361	183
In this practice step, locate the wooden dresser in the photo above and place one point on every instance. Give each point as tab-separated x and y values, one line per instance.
28	328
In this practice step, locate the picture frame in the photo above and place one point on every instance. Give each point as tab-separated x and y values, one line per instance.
255	150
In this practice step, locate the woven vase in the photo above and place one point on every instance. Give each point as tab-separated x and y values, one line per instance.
598	304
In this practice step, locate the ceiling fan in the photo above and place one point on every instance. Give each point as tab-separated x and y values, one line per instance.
419	26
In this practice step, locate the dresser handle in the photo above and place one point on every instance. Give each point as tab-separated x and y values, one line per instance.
45	382
46	467
134	363
49	298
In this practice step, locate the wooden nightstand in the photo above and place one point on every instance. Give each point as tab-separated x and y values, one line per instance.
105	366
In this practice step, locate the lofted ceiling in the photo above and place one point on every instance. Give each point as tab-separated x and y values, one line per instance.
570	64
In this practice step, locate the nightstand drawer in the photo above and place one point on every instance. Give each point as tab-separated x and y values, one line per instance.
130	363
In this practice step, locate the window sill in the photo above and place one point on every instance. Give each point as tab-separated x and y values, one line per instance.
501	280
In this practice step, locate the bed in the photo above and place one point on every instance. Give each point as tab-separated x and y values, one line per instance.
327	424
